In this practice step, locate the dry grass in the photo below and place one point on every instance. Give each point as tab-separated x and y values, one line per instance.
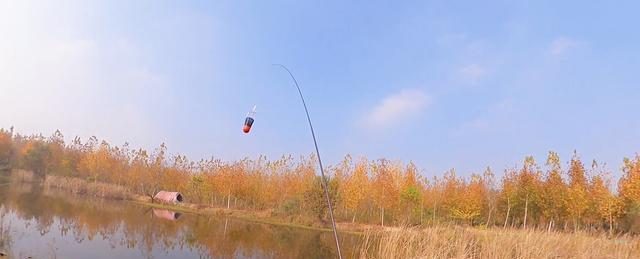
458	242
82	187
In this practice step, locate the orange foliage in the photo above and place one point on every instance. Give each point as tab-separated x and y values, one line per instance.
379	191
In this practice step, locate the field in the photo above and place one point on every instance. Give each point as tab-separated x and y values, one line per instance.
459	242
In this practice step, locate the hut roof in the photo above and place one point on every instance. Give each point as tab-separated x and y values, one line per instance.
165	196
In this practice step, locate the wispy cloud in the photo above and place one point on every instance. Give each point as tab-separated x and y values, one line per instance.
398	107
561	45
472	73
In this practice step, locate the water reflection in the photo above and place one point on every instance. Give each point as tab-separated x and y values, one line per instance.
47	223
166	214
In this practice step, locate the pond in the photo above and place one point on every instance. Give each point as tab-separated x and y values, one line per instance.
39	222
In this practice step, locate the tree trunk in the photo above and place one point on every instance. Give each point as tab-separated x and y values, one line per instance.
506	219
526	208
549	228
421	210
382	216
489	217
353	220
229	201
610	225
226	221
434	210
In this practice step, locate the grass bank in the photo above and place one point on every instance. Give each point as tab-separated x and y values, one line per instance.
460	242
257	217
83	187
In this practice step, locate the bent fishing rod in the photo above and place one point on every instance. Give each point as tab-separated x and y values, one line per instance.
323	180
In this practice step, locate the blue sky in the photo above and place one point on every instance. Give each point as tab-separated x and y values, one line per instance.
446	84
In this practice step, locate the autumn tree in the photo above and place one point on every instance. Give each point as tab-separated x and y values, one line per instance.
224	181
476	193
297	180
508	193
554	190
433	195
629	184
99	162
629	188
410	191
384	187
606	205
73	154
462	201
35	157
355	188
139	172
491	194
57	152
315	199
341	173
577	200
528	188
6	147
364	191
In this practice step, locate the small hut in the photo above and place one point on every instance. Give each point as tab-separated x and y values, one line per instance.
168	197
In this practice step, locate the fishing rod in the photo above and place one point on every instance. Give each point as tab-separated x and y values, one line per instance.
323	180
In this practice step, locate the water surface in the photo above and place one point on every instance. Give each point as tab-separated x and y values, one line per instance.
48	223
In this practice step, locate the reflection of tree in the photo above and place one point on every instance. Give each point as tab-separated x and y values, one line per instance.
5	237
130	225
312	252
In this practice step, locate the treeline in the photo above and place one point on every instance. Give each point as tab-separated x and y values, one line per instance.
545	195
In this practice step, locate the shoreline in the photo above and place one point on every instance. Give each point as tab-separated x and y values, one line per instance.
389	242
244	215
56	182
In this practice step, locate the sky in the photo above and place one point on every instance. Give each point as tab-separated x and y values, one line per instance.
445	84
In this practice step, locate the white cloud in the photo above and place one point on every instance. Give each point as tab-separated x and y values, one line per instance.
397	107
561	45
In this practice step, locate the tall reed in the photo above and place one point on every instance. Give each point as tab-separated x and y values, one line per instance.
460	242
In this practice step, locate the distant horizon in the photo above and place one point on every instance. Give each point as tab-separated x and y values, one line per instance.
615	172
